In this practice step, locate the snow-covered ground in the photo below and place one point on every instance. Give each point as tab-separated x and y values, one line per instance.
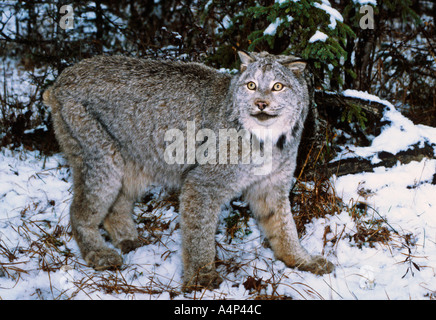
40	260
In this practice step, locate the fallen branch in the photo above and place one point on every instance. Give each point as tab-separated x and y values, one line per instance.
329	101
330	108
388	160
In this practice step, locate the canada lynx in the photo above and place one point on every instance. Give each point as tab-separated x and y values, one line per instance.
111	116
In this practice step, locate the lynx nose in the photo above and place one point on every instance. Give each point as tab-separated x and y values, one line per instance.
261	104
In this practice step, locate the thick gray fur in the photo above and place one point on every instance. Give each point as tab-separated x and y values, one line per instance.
110	116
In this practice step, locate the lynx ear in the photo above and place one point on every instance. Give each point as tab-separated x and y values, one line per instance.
245	60
296	66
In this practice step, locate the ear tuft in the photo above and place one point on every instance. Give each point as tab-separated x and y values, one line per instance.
246	59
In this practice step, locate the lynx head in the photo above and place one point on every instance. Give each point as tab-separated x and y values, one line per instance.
270	93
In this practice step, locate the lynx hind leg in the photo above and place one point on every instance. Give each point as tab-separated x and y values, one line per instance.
94	193
272	209
120	225
97	172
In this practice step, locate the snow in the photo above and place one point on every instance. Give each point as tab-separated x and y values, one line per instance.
365	2
365	95
284	1
334	14
398	136
272	28
35	194
227	22
318	36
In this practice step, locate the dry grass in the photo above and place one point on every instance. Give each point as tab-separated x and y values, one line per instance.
313	200
48	247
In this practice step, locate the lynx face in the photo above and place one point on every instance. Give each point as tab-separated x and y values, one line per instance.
269	94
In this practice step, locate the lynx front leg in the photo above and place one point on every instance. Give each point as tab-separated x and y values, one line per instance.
271	206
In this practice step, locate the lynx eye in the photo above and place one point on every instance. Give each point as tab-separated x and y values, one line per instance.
277	86
251	85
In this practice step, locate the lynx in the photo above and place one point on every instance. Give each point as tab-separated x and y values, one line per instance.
111	114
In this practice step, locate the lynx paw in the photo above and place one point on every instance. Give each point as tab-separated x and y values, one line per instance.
210	280
129	245
105	259
317	265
